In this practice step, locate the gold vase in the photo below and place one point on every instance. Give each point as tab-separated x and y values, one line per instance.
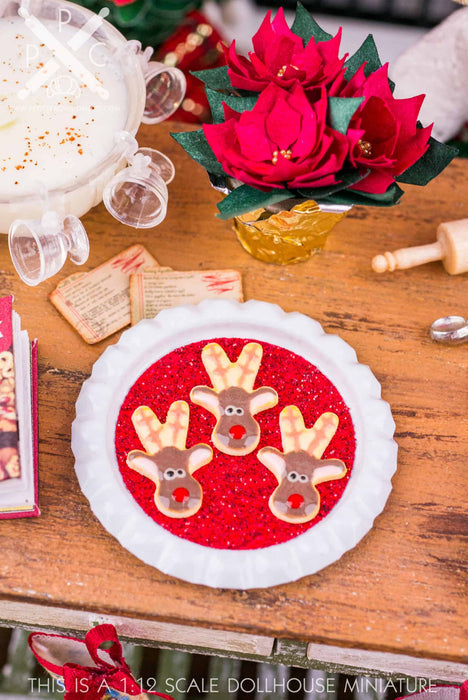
290	236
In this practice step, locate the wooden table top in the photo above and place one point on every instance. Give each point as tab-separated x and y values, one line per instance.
402	589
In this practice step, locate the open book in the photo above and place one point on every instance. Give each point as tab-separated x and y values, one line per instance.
18	417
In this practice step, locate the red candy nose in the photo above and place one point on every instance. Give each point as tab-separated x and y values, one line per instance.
180	494
237	432
295	500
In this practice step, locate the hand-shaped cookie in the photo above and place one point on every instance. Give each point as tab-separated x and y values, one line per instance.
167	462
232	399
299	468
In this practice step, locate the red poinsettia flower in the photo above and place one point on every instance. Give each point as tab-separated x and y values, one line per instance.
279	57
120	3
391	141
283	141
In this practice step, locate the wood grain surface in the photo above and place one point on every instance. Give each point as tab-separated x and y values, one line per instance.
403	588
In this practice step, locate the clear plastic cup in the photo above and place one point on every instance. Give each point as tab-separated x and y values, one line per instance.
39	247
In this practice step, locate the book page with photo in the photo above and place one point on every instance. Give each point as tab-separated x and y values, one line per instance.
18	417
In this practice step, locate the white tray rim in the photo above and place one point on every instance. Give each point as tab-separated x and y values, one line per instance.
114	373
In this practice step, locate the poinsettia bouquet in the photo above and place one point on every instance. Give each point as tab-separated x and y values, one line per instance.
294	120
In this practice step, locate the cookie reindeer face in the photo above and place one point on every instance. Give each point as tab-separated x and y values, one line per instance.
167	462
232	399
299	468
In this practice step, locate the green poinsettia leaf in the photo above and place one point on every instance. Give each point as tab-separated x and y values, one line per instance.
341	111
245	198
387	199
306	27
239	104
198	148
461	146
320	193
367	53
215	100
127	14
214	78
431	164
242	104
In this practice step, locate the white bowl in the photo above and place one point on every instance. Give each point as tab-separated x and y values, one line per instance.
93	435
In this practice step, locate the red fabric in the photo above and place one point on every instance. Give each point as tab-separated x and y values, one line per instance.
280	57
255	147
93	682
387	125
196	45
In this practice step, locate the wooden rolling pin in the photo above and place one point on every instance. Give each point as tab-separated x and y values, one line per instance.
451	247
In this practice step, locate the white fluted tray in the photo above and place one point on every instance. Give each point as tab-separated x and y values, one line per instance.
93	434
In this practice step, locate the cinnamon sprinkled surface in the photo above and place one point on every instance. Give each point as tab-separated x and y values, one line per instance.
49	135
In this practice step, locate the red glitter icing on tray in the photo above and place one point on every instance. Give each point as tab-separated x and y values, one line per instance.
235	512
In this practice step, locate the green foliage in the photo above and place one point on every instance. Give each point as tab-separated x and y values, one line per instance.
148	21
341	111
346	179
435	159
246	198
239	104
196	145
461	146
387	199
367	53
128	14
215	78
306	27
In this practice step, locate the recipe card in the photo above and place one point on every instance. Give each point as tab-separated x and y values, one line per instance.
97	303
157	289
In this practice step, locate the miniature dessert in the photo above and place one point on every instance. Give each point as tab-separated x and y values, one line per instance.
299	469
325	409
232	399
167	462
234	501
55	129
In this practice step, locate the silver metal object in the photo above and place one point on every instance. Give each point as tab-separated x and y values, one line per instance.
450	330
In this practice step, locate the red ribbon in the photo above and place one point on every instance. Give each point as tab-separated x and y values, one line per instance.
93	682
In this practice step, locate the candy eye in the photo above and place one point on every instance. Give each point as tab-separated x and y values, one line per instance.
293	476
230	410
240	411
180	473
169	474
303	478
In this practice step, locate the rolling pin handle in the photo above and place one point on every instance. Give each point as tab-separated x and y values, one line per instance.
384	263
408	257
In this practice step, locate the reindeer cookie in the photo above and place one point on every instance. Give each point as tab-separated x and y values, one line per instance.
232	399
299	468
167	462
